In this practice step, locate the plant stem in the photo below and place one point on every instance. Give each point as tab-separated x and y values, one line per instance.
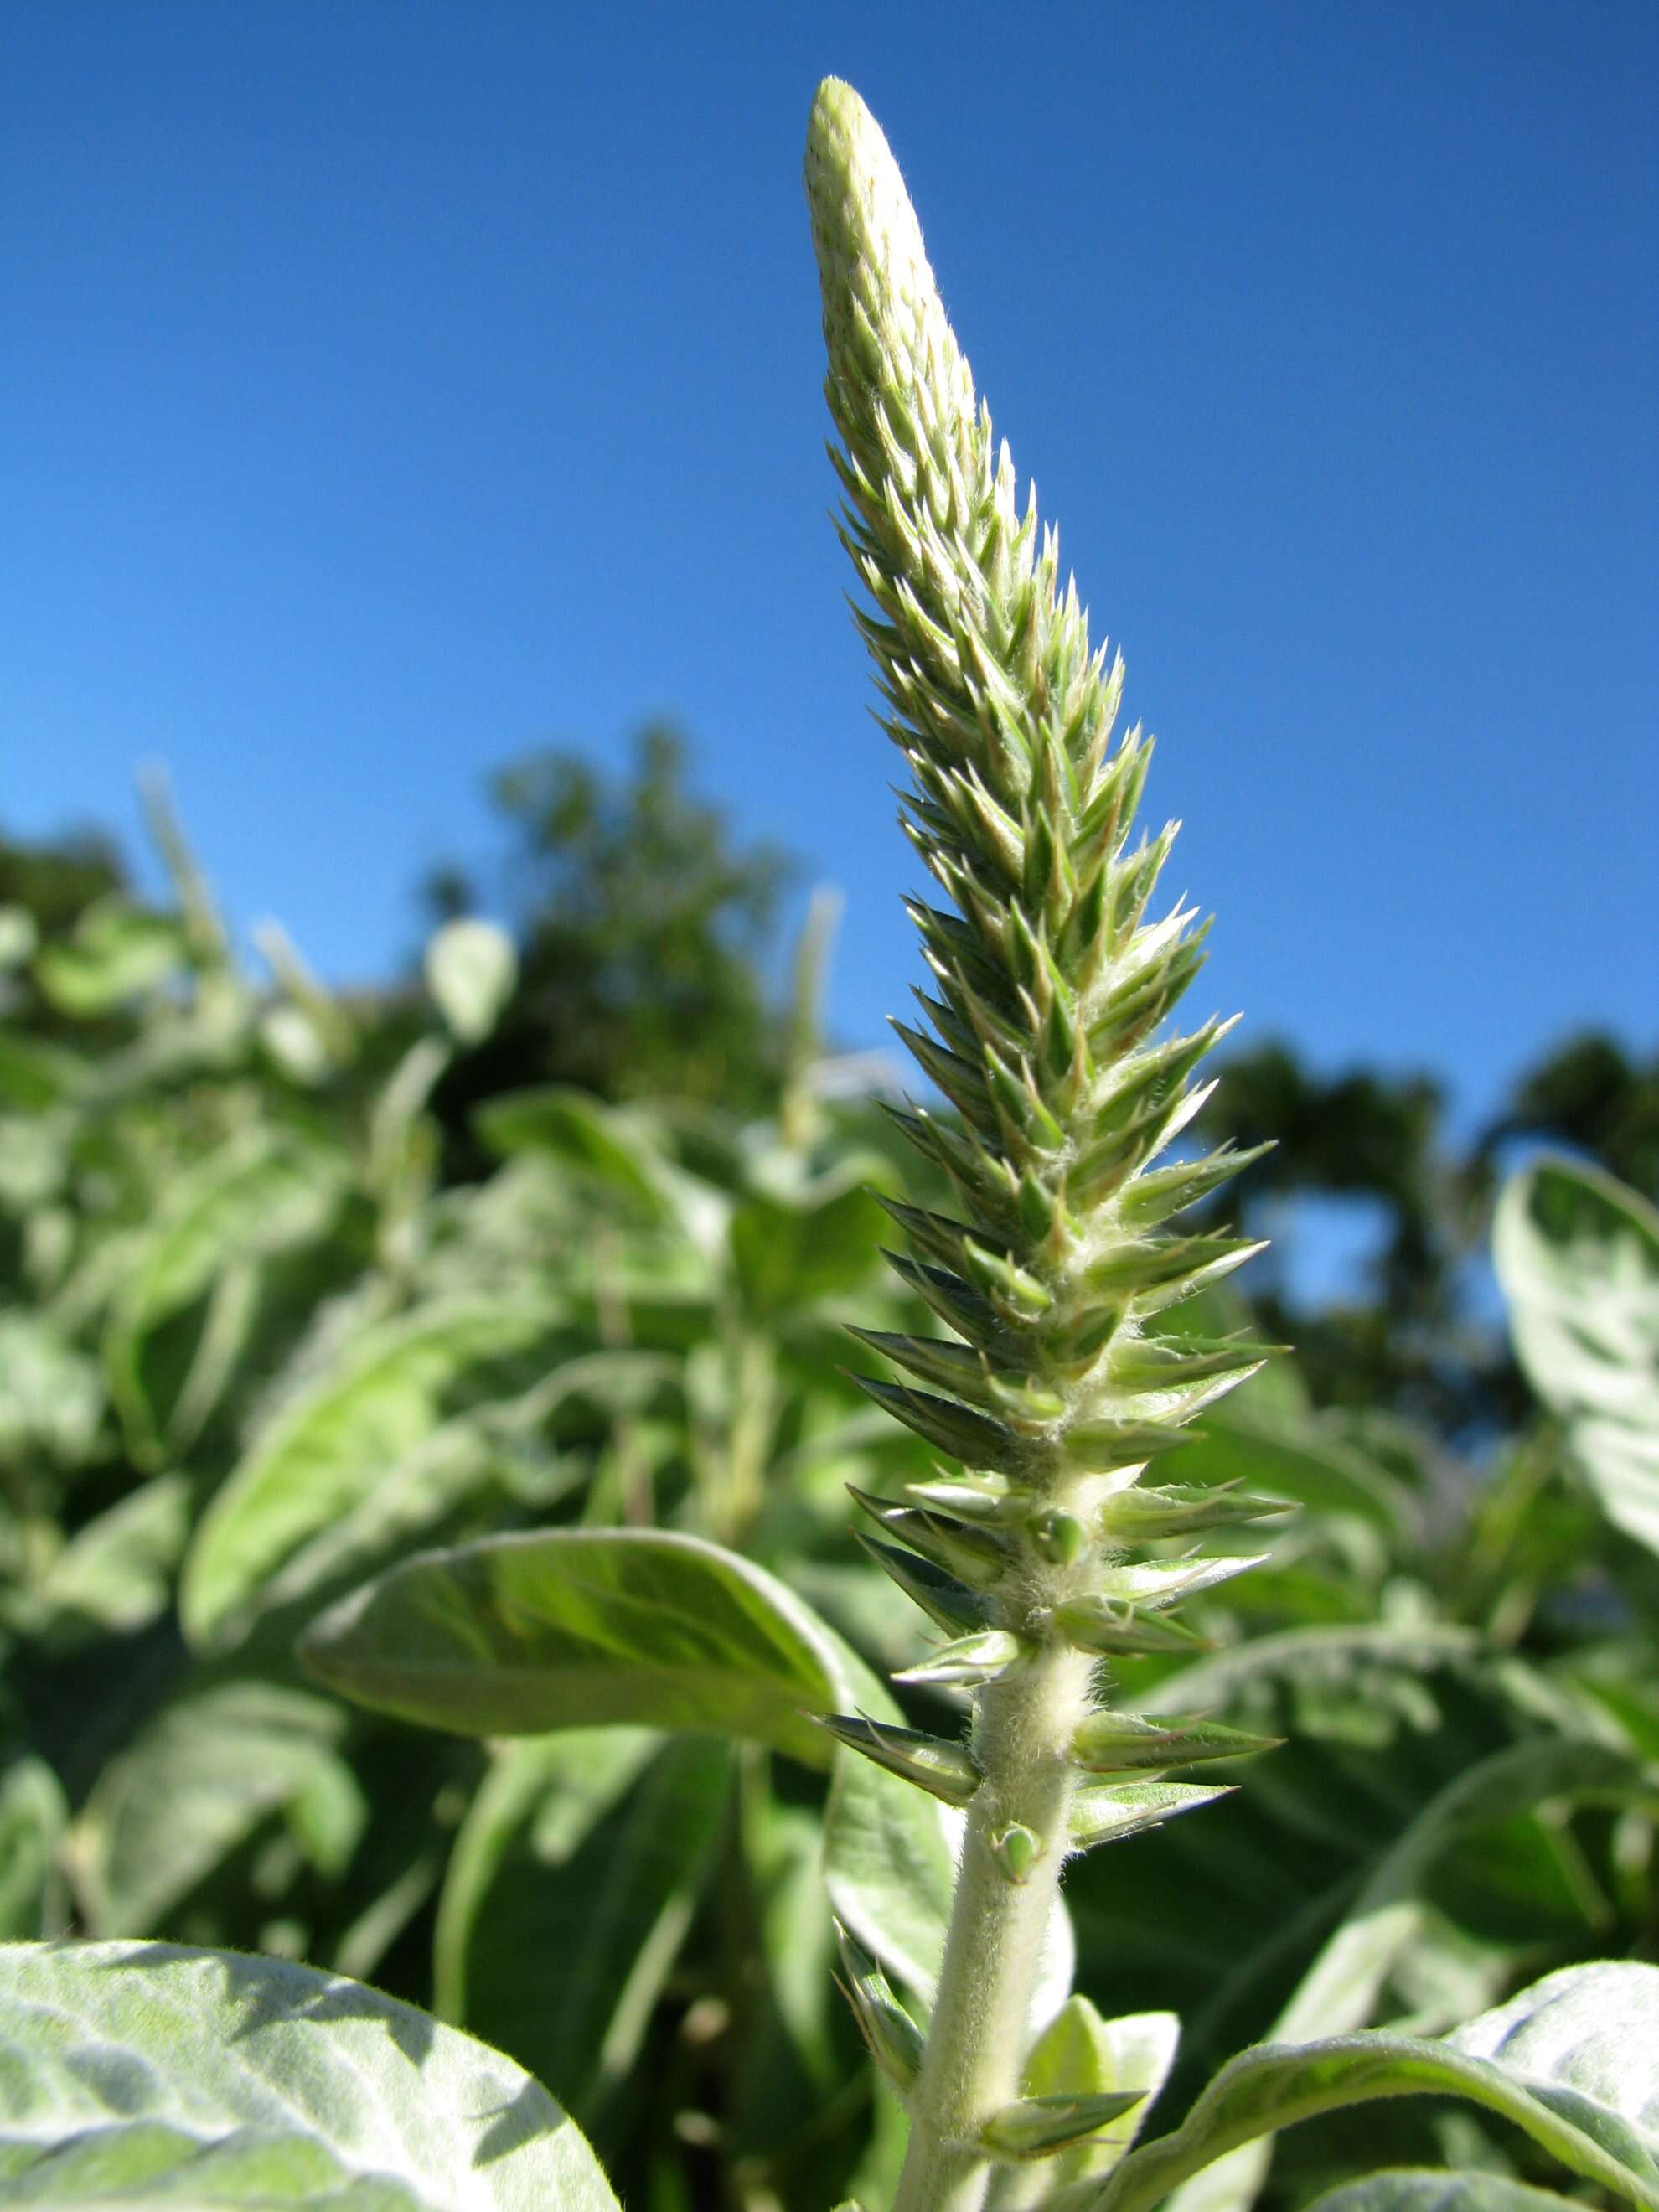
993	1951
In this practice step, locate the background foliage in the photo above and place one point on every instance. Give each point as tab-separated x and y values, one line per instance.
295	1286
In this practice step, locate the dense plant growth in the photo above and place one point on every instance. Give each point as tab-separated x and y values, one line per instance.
442	1580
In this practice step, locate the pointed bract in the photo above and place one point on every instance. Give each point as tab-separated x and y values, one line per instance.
1038	2127
934	1762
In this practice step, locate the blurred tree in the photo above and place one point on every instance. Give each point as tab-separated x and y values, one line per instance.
54	882
1375	1138
643	930
57	880
1413	1340
1593	1095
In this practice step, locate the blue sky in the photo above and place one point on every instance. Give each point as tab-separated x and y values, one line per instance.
390	388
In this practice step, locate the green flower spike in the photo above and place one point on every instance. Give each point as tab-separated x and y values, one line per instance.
1052	979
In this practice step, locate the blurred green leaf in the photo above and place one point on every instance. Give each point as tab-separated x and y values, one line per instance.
470	969
266	1191
1439	2191
33	1819
1578	1255
602	1142
116	952
1340	1989
569	1893
790	1250
115	1575
52	1396
191	1787
332	1444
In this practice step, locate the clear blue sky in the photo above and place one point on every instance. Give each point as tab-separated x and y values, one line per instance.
388	388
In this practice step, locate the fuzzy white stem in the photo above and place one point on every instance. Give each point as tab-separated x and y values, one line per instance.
977	2037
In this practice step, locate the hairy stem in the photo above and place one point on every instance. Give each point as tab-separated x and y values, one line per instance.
993	1951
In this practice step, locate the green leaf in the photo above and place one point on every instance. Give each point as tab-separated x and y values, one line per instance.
1573	2060
114	1575
19	933
602	1141
32	1819
783	1846
150	2076
51	1396
457	1463
1294	1459
35	1076
1410	2190
520	1635
334	1444
809	1244
1081	2054
193	1786
1577	1255
470	970
262	1192
578	1868
890	1869
116	952
1341	1989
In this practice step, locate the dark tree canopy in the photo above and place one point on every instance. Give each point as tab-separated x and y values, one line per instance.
643	931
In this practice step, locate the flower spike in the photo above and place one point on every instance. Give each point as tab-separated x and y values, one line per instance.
1053	978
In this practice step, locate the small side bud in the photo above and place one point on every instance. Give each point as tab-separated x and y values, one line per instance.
1016	1850
1060	1537
1038	2127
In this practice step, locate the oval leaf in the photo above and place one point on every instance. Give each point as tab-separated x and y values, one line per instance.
150	2075
1574	2061
520	1635
330	1447
1410	2190
1578	1255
